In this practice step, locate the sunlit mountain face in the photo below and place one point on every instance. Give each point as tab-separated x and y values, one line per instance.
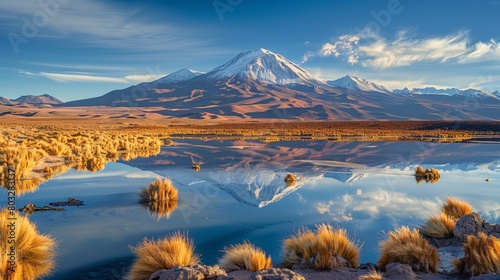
261	84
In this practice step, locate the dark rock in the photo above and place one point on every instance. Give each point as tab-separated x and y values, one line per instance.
71	202
192	272
492	229
399	271
276	274
470	224
31	208
473	224
491	276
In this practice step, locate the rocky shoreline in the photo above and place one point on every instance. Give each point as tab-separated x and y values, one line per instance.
448	248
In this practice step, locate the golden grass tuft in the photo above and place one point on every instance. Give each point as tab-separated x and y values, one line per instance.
291	179
439	226
244	257
482	255
174	250
327	248
159	190
373	275
161	209
85	150
456	208
408	247
161	197
35	252
431	175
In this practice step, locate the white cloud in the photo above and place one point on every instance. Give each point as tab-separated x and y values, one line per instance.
376	52
59	77
338	209
381	201
97	23
345	47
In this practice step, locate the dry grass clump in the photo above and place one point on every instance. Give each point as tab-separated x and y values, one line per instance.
373	275
159	190
290	179
161	197
443	224
440	225
35	252
408	247
244	257
456	208
482	255
85	150
196	167
174	250
431	175
327	248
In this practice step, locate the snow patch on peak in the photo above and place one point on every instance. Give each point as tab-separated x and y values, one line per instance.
264	66
358	84
179	76
471	93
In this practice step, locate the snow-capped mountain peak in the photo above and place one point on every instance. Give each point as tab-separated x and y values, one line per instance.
264	66
179	76
357	84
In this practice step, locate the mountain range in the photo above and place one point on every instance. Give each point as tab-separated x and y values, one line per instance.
260	84
36	100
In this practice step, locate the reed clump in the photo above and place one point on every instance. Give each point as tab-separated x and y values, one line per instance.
443	224
244	257
427	175
291	179
160	197
165	253
327	248
87	150
35	252
482	255
408	247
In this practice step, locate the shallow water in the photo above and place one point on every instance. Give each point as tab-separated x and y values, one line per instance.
239	194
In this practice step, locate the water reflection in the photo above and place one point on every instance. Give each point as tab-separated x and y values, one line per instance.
427	175
36	161
160	198
241	194
256	173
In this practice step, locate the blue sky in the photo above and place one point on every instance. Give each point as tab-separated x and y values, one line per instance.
76	49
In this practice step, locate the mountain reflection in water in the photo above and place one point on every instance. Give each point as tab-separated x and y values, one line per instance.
240	194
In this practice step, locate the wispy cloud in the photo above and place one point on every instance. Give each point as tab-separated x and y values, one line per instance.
62	77
371	50
96	23
337	209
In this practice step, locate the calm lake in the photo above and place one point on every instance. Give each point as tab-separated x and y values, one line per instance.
239	194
